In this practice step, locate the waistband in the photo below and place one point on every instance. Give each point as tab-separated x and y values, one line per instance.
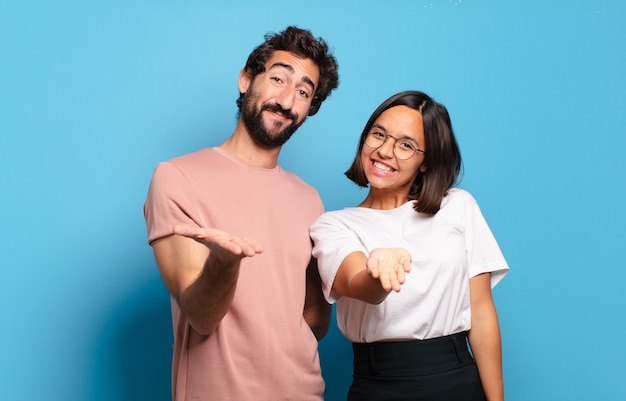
411	358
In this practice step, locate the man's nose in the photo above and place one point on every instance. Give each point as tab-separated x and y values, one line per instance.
286	98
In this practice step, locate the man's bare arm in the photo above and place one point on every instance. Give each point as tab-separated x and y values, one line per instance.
317	311
200	268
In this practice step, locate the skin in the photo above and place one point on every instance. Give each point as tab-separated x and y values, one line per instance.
200	266
372	279
484	337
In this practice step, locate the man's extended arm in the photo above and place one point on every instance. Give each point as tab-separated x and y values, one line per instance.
200	268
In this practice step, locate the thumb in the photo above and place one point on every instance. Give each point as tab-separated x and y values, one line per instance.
181	229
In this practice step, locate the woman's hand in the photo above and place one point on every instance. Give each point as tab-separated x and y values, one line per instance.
389	266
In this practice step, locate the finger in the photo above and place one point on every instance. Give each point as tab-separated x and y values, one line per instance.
396	285
372	268
400	274
240	246
258	248
406	263
181	229
407	266
197	233
386	282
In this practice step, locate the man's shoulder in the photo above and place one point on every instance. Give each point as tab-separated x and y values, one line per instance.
299	183
198	156
201	161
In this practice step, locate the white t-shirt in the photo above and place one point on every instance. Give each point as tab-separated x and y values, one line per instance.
446	249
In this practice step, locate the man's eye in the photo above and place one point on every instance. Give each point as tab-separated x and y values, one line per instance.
303	93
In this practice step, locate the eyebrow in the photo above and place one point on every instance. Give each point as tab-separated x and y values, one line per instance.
290	68
410	138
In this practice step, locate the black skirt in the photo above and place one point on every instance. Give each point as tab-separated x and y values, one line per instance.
438	369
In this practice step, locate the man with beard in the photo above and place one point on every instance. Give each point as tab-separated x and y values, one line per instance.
230	233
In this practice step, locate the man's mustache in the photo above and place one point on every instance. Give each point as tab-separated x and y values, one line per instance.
277	109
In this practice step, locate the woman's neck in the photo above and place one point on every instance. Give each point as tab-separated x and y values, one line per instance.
384	199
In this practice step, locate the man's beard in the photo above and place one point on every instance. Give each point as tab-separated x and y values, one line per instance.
252	117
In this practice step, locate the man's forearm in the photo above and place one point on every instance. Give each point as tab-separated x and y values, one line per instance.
318	318
207	300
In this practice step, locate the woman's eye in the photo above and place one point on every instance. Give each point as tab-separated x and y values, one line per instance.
407	145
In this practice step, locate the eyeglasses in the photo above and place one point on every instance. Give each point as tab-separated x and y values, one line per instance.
403	148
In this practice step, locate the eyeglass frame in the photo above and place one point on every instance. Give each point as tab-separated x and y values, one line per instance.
395	141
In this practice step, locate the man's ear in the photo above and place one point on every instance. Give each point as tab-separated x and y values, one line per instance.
244	80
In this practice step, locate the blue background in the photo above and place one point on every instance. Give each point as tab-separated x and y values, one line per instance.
94	94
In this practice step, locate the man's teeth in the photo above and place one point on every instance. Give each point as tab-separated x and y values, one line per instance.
382	167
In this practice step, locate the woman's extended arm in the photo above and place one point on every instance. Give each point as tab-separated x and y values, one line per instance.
371	279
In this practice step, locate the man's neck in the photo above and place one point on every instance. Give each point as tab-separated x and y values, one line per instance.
241	145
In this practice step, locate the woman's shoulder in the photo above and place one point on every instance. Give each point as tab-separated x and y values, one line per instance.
459	196
347	217
339	214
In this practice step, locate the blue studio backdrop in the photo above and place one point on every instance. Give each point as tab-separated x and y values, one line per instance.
94	94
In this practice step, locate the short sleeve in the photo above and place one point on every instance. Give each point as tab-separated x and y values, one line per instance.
332	242
484	254
170	201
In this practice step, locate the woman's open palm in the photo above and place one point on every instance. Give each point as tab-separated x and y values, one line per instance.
389	265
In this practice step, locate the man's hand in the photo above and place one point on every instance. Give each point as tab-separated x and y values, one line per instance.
225	248
389	265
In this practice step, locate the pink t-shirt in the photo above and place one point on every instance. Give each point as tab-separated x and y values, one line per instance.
263	350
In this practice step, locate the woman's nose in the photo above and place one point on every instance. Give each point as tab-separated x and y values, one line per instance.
387	148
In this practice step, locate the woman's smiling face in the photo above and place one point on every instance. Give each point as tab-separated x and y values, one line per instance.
382	168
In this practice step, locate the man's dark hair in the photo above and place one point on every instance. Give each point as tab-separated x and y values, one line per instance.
302	43
442	158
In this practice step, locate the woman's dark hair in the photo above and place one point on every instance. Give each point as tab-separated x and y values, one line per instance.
442	158
302	43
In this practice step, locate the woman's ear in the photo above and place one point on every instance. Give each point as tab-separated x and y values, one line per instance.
423	167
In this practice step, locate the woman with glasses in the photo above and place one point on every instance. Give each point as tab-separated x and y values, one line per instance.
412	266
